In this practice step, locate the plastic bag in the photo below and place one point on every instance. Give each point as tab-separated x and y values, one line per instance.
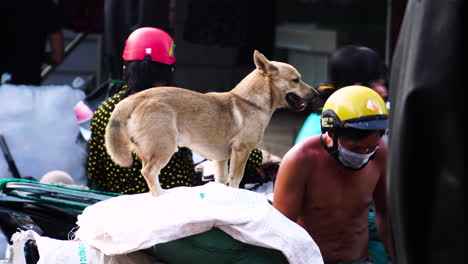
129	223
68	251
41	129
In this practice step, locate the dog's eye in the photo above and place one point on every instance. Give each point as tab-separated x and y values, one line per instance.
295	80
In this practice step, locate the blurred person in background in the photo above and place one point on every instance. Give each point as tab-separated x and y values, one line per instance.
33	37
348	65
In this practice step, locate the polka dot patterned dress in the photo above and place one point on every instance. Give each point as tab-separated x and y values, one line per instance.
108	176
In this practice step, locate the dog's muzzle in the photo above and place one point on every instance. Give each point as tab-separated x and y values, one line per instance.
296	102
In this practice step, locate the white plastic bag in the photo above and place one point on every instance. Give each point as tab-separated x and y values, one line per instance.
40	128
68	251
129	223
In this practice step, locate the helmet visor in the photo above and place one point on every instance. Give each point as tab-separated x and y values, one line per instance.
374	122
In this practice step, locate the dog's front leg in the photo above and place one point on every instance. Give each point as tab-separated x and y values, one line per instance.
237	166
221	171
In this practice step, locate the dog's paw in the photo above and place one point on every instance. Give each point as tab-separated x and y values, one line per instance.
157	192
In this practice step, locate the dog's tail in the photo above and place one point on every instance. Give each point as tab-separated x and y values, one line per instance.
118	141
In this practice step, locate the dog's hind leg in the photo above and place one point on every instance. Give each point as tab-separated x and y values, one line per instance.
155	146
151	175
153	163
221	171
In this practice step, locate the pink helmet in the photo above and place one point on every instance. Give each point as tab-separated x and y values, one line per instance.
150	41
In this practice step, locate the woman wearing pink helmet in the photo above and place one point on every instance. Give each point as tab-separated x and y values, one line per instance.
149	58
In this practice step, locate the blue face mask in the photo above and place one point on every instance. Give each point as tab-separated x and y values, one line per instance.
353	160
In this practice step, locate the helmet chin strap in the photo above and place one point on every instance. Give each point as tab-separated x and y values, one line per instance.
333	150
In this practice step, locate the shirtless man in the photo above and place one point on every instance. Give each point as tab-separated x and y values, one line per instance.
327	182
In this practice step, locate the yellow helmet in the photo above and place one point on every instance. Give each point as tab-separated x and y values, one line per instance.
355	106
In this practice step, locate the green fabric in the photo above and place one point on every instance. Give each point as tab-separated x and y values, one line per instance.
3	182
214	247
52	194
377	252
115	80
375	247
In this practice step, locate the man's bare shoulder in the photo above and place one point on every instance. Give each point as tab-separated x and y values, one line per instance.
305	151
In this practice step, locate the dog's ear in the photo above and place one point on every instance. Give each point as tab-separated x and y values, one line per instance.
263	64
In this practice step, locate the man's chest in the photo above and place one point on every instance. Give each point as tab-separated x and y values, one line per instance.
340	188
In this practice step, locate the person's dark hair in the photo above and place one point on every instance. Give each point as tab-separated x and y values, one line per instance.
143	74
355	64
349	65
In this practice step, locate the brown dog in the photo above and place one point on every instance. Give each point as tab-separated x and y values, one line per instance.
219	126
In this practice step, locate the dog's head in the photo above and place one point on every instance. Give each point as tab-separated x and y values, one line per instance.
294	93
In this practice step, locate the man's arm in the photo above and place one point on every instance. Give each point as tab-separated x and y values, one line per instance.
290	184
380	199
